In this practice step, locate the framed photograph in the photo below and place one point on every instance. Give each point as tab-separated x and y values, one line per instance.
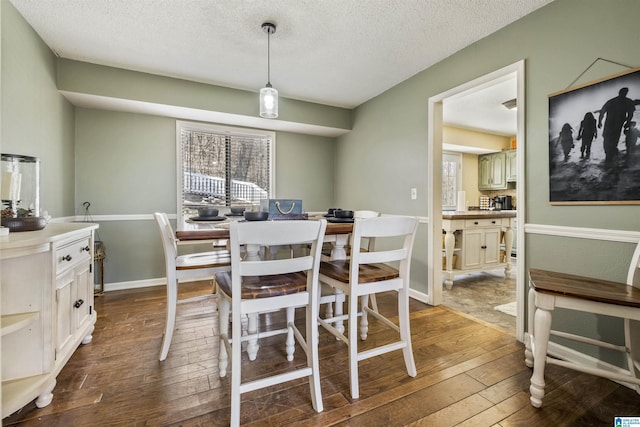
594	142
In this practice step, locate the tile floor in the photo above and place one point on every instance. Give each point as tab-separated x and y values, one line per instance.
476	294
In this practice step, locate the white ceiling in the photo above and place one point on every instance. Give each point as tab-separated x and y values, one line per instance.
481	109
334	52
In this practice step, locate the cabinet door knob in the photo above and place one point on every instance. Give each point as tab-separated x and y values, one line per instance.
475	222
67	258
78	303
483	247
86	248
493	222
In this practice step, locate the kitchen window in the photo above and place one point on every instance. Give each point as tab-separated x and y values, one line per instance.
451	182
222	166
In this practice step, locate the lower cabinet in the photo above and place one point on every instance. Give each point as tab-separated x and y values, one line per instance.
74	292
47	308
481	247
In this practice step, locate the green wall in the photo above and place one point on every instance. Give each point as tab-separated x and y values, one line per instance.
387	147
36	120
126	165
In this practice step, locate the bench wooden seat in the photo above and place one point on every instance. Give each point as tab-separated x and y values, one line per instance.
549	290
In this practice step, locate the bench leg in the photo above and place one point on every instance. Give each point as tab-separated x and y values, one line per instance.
542	328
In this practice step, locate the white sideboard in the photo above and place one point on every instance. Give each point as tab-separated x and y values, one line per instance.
46	308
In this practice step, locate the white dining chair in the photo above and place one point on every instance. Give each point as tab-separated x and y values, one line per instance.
332	298
266	285
178	268
367	273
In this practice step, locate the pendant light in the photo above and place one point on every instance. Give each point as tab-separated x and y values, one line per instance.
268	95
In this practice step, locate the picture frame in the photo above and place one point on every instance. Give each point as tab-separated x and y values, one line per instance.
594	148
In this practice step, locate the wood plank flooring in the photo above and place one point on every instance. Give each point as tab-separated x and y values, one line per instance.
470	373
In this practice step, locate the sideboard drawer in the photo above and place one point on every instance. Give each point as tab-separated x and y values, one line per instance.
70	254
482	222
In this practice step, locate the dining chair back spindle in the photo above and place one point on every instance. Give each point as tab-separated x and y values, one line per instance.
265	285
193	266
382	268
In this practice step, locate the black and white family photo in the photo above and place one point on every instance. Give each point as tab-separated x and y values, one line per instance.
594	137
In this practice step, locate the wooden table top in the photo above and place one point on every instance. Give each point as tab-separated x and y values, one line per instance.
586	288
192	230
478	214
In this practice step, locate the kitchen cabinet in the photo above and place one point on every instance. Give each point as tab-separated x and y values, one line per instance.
492	171
47	308
511	165
481	247
483	236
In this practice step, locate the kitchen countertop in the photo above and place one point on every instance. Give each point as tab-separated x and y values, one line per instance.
478	214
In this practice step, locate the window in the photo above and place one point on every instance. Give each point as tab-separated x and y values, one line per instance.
451	166
222	166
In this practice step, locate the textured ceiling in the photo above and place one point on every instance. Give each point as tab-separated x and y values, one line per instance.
334	52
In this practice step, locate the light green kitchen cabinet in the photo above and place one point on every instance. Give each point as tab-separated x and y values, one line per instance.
511	166
492	171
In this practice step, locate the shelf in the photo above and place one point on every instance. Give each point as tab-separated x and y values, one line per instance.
14	322
16	392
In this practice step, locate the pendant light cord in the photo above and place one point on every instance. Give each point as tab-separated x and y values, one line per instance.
268	58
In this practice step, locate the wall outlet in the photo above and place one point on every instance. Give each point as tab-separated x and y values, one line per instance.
414	193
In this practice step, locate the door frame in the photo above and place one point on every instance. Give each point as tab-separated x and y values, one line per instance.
435	125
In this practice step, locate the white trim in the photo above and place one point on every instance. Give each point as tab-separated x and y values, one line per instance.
418	296
622	236
434	184
134	284
146	283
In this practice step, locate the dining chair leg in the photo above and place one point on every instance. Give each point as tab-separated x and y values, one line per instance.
170	323
339	310
236	374
405	331
223	357
252	329
364	321
313	358
290	342
353	346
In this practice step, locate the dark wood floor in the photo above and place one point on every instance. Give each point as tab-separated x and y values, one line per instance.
469	373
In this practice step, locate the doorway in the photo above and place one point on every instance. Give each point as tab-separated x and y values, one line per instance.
435	141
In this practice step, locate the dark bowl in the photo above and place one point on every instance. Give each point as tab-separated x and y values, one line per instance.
207	212
237	210
30	223
256	216
339	213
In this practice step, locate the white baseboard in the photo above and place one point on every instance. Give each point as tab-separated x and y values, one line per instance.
147	283
134	284
419	296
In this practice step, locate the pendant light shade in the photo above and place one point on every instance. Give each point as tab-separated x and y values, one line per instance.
268	102
268	95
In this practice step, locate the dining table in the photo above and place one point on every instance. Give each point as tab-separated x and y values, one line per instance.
196	230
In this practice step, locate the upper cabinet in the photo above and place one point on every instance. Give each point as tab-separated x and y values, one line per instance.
492	171
495	170
511	166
